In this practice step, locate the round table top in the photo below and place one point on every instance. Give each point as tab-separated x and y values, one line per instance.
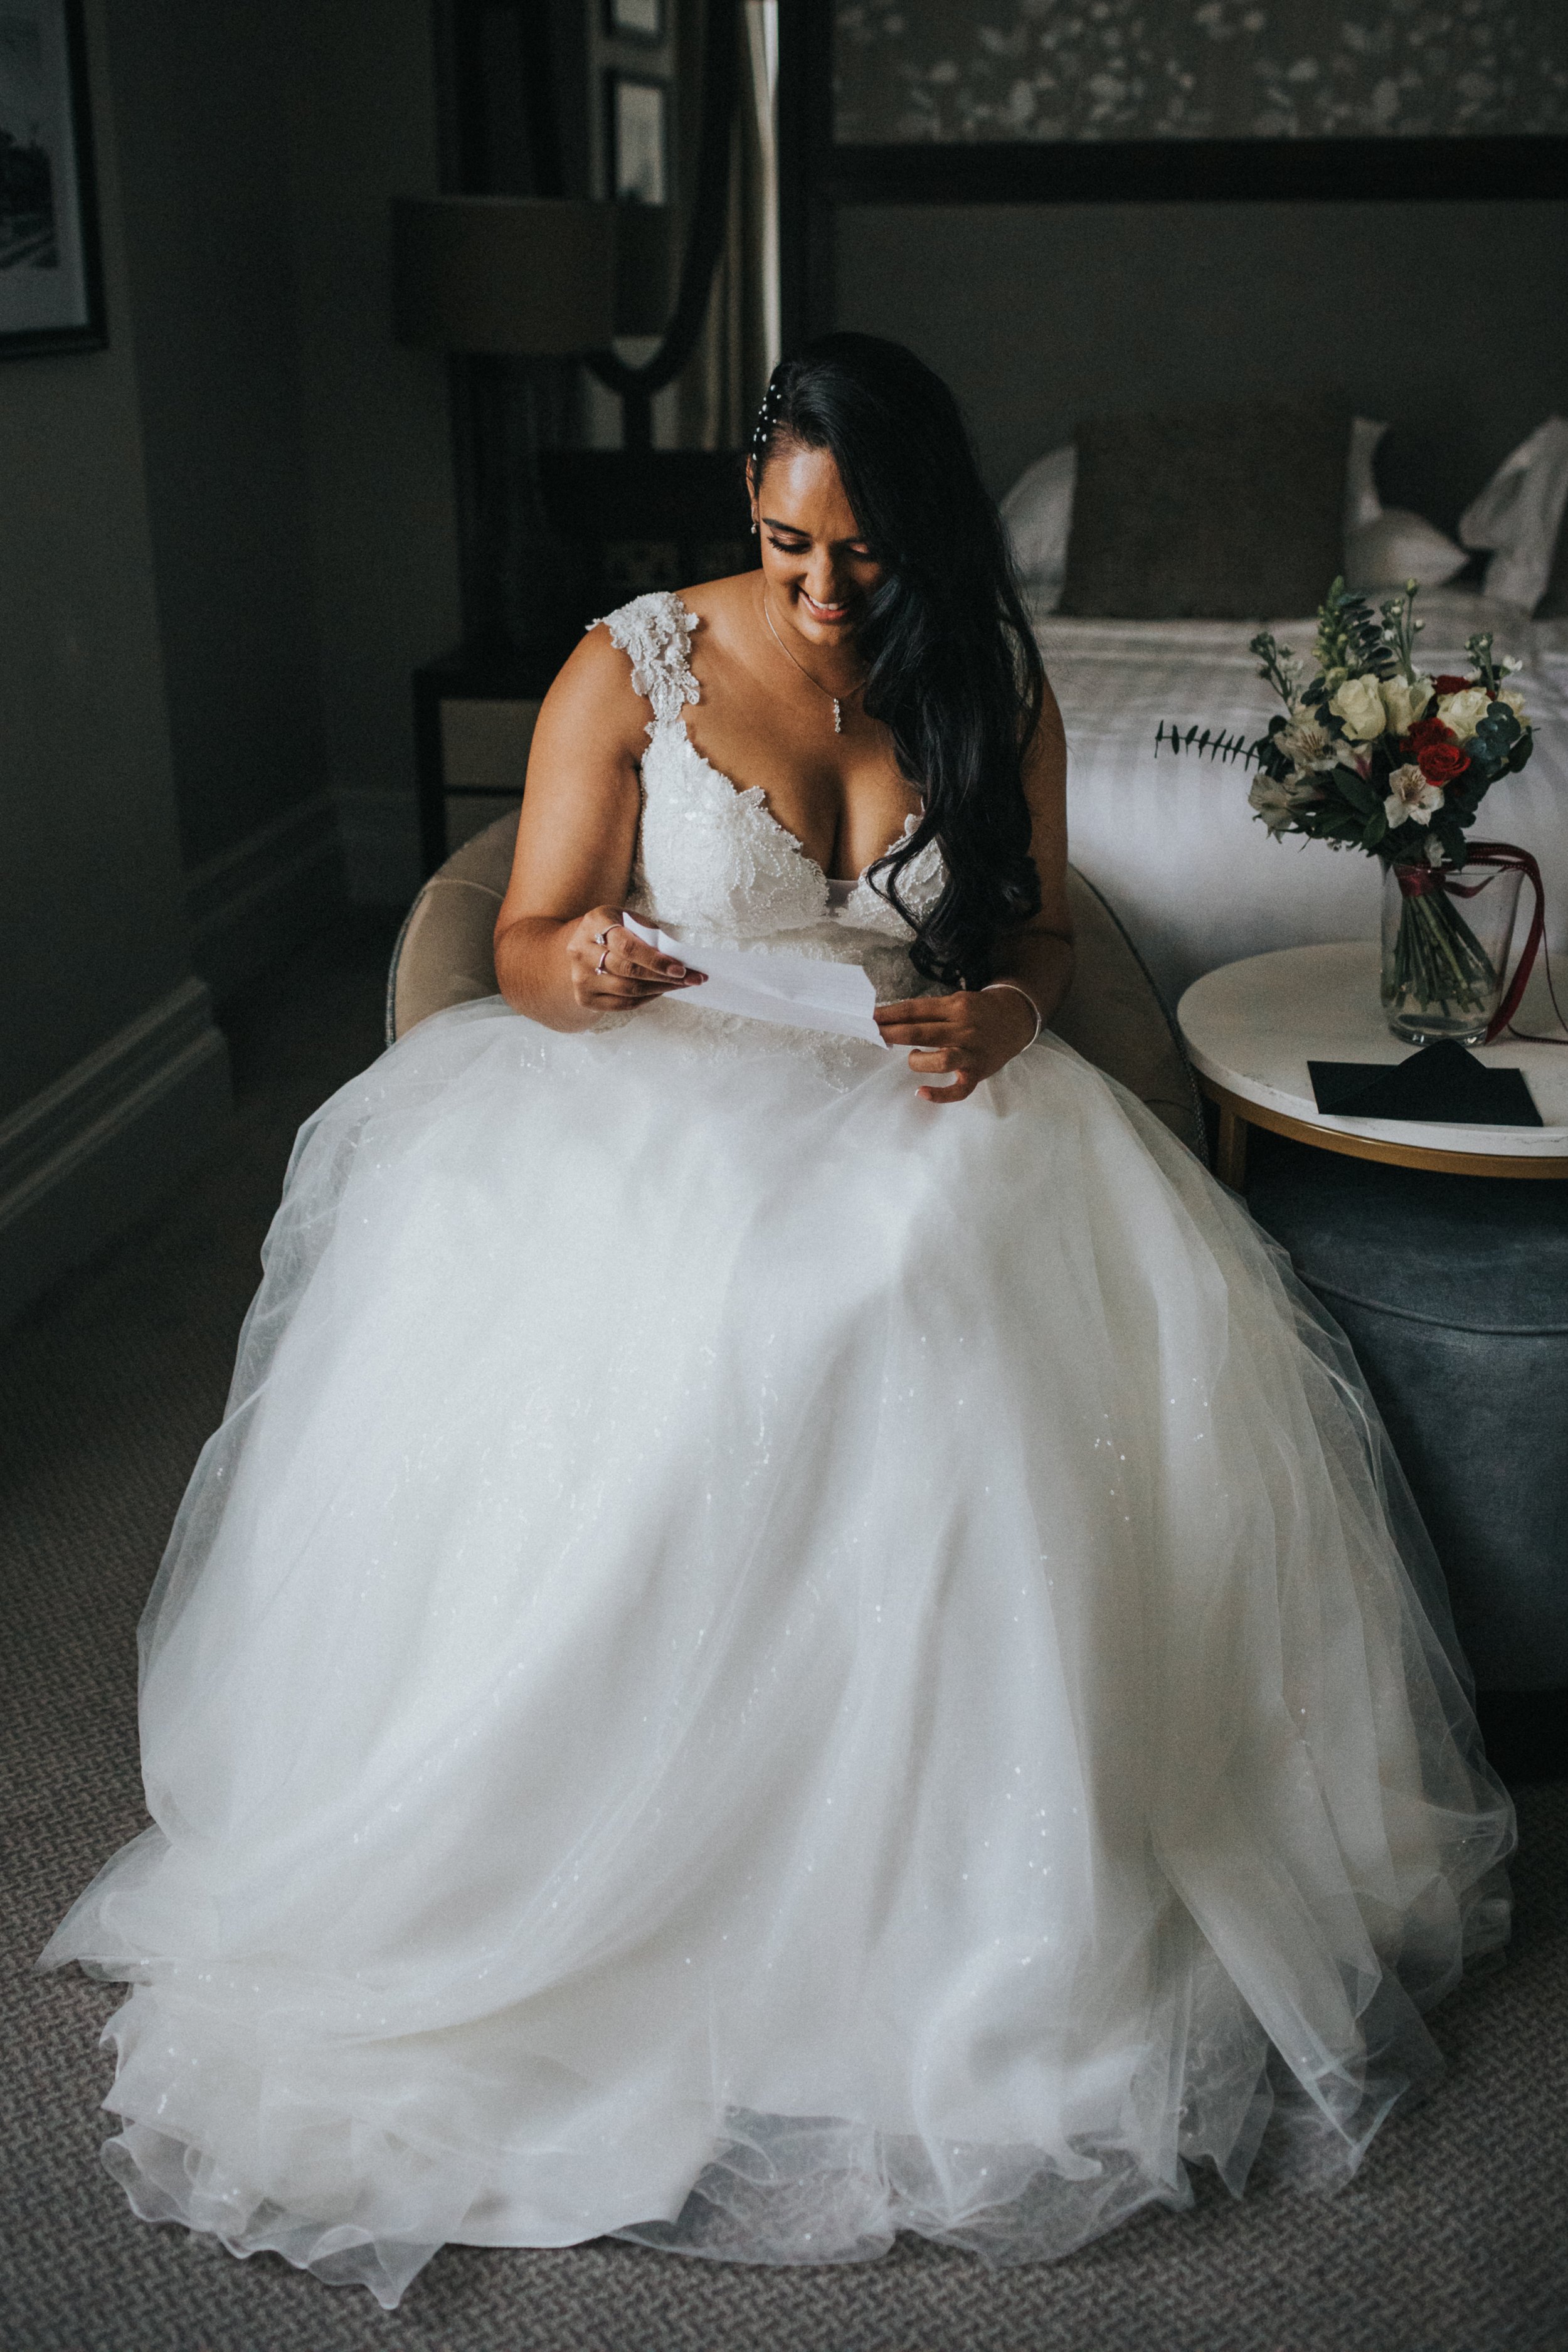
1252	1027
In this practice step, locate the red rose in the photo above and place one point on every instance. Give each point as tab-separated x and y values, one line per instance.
1440	762
1452	685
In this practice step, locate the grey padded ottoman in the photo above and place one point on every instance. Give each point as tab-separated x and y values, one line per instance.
1453	1291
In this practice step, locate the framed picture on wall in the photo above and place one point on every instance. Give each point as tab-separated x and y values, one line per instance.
638	140
51	284
642	19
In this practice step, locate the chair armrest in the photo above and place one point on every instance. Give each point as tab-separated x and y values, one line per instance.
444	952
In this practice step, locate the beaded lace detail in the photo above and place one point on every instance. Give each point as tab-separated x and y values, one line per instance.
713	862
655	631
711	856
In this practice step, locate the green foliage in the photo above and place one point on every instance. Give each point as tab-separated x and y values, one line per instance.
1280	667
1357	790
1352	639
1217	746
1401	628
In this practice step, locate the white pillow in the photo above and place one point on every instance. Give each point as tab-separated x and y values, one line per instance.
1400	546
1363	505
1519	515
1037	514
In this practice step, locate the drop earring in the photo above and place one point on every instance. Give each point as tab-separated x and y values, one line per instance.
753	526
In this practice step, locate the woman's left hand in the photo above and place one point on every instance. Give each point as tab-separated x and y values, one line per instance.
972	1034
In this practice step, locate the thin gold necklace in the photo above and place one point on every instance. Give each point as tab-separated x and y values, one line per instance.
834	698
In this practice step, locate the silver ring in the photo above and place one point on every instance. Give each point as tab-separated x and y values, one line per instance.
604	959
600	937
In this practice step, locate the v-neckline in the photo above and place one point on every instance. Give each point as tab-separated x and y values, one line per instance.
757	793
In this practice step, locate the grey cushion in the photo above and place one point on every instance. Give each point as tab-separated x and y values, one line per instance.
1112	1013
1453	1291
1223	513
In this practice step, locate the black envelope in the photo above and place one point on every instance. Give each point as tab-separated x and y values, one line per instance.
1442	1085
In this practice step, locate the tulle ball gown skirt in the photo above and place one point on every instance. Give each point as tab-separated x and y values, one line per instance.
758	1663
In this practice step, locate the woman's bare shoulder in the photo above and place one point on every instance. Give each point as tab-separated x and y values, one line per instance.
593	690
723	609
721	600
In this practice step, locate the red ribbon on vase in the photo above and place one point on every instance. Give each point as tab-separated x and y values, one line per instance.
1512	860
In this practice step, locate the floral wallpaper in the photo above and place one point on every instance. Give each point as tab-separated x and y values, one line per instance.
976	70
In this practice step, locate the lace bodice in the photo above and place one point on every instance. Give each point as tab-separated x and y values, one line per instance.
712	860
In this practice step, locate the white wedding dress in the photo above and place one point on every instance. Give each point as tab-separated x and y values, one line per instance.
758	1662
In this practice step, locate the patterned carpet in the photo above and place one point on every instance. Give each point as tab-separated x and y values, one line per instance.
1454	2238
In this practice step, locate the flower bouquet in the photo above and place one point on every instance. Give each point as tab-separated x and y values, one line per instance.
1370	753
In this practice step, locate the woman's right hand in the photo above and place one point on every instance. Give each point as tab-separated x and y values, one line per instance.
612	971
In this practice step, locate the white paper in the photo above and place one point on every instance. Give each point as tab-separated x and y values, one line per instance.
802	992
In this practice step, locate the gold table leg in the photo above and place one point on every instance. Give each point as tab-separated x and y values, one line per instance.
1230	1154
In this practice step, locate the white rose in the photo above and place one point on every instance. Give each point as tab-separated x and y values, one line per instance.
1515	701
1410	795
1463	713
1360	704
1403	700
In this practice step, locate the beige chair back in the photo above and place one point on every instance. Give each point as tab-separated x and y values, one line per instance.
1112	1015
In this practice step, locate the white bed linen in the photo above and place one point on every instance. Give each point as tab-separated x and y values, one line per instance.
1172	842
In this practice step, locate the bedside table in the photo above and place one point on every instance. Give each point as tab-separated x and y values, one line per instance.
473	723
624	521
1251	1027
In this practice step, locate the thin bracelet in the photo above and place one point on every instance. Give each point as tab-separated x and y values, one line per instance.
1018	990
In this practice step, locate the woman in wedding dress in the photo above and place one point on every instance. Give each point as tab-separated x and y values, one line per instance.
783	1640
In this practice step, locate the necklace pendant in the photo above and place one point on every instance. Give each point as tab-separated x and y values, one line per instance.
838	718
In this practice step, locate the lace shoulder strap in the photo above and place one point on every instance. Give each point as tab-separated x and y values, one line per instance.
654	630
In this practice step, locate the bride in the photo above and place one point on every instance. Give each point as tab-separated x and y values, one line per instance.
783	1640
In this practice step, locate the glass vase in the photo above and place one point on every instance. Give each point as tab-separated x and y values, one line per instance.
1446	936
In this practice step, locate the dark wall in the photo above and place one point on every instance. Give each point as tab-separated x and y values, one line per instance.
224	543
202	95
94	933
384	526
1445	318
297	461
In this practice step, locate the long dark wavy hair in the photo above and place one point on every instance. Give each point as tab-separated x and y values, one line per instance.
954	672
